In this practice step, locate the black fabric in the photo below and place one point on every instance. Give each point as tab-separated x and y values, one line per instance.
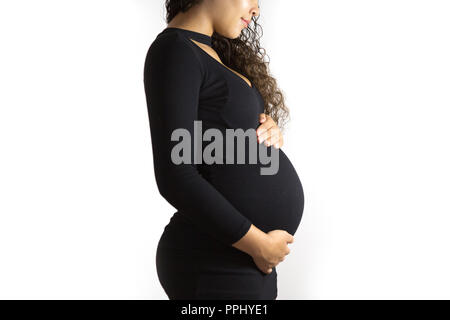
216	203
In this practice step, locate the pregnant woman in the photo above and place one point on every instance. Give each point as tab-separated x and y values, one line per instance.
233	224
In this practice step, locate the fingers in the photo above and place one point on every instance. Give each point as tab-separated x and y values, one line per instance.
269	131
271	136
262	117
264	127
290	236
267	122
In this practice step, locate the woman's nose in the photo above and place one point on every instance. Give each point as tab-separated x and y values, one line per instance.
255	11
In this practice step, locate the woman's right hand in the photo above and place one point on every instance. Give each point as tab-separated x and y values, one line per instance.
273	250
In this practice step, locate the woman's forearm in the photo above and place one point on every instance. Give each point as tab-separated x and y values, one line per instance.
252	242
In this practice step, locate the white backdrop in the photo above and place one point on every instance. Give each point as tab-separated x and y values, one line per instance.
367	83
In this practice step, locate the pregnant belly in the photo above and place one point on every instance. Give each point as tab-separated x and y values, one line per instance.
269	201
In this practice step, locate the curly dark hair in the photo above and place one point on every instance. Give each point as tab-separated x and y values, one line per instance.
245	56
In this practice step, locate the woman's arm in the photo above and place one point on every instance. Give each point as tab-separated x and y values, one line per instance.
253	242
173	77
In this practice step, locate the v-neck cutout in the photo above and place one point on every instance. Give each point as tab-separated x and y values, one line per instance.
244	79
207	39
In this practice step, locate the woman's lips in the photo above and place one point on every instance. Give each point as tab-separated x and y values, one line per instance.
246	22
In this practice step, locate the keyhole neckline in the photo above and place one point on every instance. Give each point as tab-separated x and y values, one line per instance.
206	39
200	37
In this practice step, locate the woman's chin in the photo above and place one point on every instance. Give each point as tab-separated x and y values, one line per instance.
233	33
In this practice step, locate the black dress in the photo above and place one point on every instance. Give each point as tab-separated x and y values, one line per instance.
216	203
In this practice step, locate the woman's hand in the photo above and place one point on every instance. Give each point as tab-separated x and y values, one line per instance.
273	251
269	131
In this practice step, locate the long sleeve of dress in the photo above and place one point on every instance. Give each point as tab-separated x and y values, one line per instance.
173	76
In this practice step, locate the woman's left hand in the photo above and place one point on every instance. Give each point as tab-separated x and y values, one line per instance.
269	131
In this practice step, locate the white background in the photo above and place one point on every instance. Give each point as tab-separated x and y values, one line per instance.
367	83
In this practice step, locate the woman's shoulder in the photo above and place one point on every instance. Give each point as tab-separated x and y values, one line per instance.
173	45
170	39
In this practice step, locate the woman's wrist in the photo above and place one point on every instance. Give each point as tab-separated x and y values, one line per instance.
253	242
